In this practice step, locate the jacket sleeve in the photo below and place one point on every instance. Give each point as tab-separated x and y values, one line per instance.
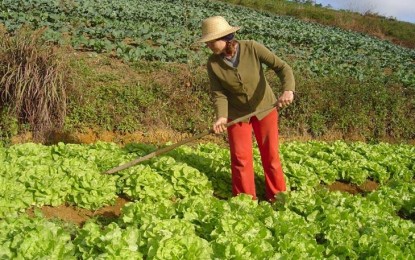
220	100
281	68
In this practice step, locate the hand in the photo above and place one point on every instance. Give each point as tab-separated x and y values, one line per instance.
219	125
286	98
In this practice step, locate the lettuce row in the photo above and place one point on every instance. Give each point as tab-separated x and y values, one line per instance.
174	212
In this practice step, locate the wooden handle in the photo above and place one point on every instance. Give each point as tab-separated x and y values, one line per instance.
173	146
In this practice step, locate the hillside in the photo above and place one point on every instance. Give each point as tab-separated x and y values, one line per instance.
349	85
370	23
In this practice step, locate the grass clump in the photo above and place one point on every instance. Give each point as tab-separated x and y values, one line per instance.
34	81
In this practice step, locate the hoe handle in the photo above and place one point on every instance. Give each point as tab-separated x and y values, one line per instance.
173	146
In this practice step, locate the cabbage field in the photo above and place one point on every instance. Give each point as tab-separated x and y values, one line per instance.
180	205
165	30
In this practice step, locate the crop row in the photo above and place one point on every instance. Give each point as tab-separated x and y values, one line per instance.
33	174
181	206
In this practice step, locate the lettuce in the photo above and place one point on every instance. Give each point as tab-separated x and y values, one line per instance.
143	183
93	242
183	207
27	237
175	239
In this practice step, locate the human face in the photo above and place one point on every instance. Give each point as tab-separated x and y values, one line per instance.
216	46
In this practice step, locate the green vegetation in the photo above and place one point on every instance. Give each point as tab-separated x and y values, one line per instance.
134	67
175	211
152	95
168	28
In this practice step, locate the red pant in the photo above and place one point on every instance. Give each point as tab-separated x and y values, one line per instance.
240	142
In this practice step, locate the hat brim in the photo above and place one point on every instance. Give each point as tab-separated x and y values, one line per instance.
214	36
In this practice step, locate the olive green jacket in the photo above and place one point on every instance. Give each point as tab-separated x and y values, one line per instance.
239	91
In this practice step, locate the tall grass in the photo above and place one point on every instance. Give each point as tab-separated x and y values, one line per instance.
34	81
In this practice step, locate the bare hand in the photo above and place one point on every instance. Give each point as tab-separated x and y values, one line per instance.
286	98
219	125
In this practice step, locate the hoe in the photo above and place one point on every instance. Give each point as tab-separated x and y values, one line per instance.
173	146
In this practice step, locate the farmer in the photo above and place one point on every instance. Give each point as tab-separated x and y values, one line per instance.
239	87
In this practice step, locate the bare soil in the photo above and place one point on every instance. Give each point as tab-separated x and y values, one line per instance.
79	216
366	187
90	136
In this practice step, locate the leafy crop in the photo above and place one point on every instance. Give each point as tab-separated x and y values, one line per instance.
166	30
181	205
34	238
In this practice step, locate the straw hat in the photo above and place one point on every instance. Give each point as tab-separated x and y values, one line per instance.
216	27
